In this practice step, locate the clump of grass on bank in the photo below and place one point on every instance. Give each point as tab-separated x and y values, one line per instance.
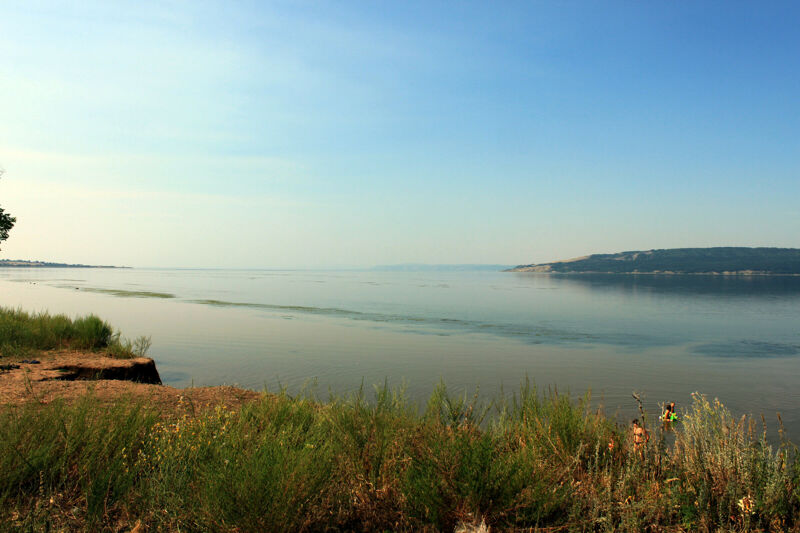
22	333
283	463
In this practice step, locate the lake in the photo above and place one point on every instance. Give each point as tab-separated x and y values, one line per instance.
735	338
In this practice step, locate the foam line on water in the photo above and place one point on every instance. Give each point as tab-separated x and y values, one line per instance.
532	334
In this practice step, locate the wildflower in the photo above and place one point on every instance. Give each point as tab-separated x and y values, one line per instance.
746	504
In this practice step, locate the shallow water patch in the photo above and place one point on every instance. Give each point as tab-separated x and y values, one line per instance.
747	349
122	293
527	333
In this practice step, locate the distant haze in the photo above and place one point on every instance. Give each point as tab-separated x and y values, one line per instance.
439	268
333	134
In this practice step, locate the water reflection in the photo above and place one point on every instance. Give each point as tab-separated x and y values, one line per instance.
747	348
732	337
694	286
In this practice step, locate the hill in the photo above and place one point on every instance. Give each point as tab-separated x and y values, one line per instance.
722	260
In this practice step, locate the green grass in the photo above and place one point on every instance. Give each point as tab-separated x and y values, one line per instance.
530	460
293	464
22	333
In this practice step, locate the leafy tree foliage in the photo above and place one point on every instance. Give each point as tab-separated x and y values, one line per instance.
6	221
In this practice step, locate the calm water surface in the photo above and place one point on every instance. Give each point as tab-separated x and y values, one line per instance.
733	338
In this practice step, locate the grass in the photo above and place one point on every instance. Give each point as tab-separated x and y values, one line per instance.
529	461
283	463
22	333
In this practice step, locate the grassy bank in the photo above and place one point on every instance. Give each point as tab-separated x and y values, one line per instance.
283	463
23	333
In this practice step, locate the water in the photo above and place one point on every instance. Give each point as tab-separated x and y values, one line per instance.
737	339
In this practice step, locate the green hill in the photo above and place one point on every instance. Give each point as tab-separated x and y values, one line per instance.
722	260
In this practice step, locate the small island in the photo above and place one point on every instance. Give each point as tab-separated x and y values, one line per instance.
740	261
23	263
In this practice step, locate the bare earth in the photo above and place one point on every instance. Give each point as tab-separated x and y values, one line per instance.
69	375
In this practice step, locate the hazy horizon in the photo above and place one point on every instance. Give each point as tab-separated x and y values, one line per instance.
328	135
480	266
395	267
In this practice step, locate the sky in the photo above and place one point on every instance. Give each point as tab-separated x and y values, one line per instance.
342	134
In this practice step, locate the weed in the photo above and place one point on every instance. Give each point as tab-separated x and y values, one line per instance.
291	463
22	333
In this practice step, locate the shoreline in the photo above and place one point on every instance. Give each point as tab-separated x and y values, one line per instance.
733	274
119	455
12	263
69	375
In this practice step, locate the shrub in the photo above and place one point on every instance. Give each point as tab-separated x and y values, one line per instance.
291	463
22	332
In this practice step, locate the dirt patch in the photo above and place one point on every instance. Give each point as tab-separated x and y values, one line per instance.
140	370
68	375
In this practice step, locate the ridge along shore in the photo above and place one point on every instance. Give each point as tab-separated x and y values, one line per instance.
44	358
24	263
68	375
720	261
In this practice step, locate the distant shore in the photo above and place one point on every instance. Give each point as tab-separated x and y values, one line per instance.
719	261
19	263
739	273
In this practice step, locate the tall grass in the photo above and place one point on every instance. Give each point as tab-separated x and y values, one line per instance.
22	333
293	464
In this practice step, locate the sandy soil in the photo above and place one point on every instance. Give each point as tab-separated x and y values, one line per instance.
69	375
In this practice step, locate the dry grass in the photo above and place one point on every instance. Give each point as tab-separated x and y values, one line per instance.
529	462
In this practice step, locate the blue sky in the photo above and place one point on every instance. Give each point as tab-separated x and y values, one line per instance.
316	134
